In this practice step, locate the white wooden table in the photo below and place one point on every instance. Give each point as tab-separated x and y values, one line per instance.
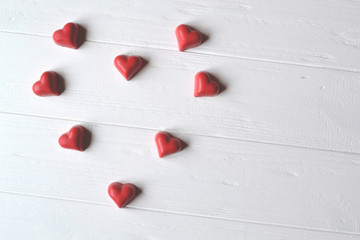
274	156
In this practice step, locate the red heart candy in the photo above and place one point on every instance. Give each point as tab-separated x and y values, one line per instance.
167	144
205	85
71	35
128	66
122	194
77	138
187	37
50	83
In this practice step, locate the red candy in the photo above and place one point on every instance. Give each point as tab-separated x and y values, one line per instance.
128	66
122	194
205	85
188	37
78	138
50	84
71	35
167	144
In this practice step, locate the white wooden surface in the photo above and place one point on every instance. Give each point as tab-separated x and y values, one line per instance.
274	156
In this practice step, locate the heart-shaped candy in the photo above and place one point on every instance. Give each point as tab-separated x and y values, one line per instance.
50	84
77	138
205	85
122	194
167	144
128	66
187	37
72	35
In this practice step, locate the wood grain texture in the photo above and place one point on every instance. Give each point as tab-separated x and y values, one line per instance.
42	218
322	33
274	156
217	178
263	102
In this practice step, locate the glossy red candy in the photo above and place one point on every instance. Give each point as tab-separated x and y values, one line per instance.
205	85
71	35
122	194
77	138
50	84
187	37
128	66
167	144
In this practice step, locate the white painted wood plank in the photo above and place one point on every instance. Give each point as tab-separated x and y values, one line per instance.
317	33
212	177
265	102
26	217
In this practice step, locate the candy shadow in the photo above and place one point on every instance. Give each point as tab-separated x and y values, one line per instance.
137	192
87	138
204	38
183	144
82	35
144	62
60	84
222	86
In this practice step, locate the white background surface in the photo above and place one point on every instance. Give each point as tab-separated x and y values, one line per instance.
274	156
